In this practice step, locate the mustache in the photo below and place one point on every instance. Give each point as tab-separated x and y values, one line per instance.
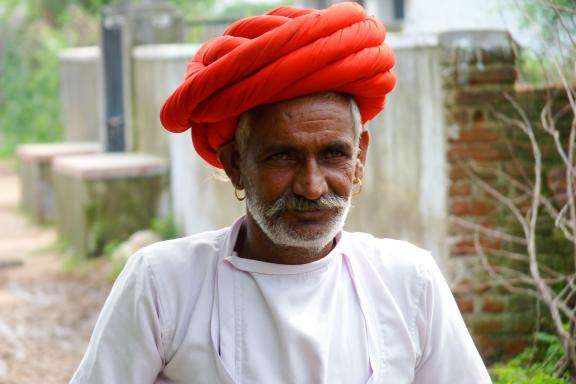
299	203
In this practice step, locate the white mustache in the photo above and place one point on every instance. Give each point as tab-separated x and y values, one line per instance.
298	203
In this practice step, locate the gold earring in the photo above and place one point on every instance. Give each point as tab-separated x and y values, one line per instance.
358	182
240	198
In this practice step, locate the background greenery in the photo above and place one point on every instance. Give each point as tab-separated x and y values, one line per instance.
31	35
554	25
535	365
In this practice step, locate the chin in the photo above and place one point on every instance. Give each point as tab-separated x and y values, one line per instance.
312	232
283	234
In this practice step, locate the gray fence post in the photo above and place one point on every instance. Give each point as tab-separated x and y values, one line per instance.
123	27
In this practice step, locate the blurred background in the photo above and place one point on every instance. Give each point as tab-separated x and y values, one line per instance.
472	159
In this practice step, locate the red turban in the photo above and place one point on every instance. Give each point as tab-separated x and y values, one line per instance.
285	53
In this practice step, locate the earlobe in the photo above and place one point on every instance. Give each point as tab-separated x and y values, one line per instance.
230	159
359	169
361	160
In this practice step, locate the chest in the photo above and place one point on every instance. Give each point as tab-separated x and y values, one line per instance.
308	328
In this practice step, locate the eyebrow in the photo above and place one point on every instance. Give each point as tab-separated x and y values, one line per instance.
274	148
339	146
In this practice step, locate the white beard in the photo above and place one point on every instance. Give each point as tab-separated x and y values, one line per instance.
280	233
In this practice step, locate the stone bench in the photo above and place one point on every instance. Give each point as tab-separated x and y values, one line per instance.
102	199
34	166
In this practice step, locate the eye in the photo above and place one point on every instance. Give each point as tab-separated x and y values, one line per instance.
336	152
279	156
333	154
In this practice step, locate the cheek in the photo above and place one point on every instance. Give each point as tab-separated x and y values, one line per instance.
341	181
271	185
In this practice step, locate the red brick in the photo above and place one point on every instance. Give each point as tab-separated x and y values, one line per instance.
488	325
480	98
457	172
478	116
474	208
514	347
498	348
459	116
470	287
465	306
491	306
478	152
456	229
477	134
467	247
500	75
459	189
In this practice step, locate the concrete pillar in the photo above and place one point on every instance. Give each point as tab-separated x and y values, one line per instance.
158	71
37	198
105	198
81	94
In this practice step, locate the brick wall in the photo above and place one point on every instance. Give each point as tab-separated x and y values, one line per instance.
478	71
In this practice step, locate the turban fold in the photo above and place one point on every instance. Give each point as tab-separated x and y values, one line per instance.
285	53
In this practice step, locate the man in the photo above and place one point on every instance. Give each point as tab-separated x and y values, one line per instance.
284	295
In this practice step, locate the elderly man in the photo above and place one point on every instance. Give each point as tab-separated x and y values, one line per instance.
284	295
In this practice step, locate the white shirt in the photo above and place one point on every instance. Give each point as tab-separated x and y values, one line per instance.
190	311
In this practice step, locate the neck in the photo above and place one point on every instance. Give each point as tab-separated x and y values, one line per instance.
252	243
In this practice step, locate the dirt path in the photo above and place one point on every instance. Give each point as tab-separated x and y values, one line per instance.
46	315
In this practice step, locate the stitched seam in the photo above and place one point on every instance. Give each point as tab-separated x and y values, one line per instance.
163	311
424	276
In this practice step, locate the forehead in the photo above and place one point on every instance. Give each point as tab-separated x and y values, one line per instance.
303	120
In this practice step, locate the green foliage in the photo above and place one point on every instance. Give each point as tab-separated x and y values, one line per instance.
195	9
31	35
110	247
550	17
554	48
92	6
246	8
29	87
29	73
531	67
535	365
166	227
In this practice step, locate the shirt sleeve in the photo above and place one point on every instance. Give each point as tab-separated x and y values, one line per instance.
126	345
448	352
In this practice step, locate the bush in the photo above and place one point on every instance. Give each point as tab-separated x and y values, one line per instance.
166	227
29	87
535	365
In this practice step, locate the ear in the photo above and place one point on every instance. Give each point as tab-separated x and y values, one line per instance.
229	157
361	159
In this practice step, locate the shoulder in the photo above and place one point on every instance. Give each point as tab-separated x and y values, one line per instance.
403	269
392	258
179	255
179	265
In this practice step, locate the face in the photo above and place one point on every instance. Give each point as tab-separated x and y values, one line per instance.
299	170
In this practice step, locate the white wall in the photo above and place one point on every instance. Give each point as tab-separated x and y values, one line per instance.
426	16
450	15
404	193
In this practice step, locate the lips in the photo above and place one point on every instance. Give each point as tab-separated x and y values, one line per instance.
314	214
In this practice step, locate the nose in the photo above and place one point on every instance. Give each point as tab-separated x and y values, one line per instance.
310	181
